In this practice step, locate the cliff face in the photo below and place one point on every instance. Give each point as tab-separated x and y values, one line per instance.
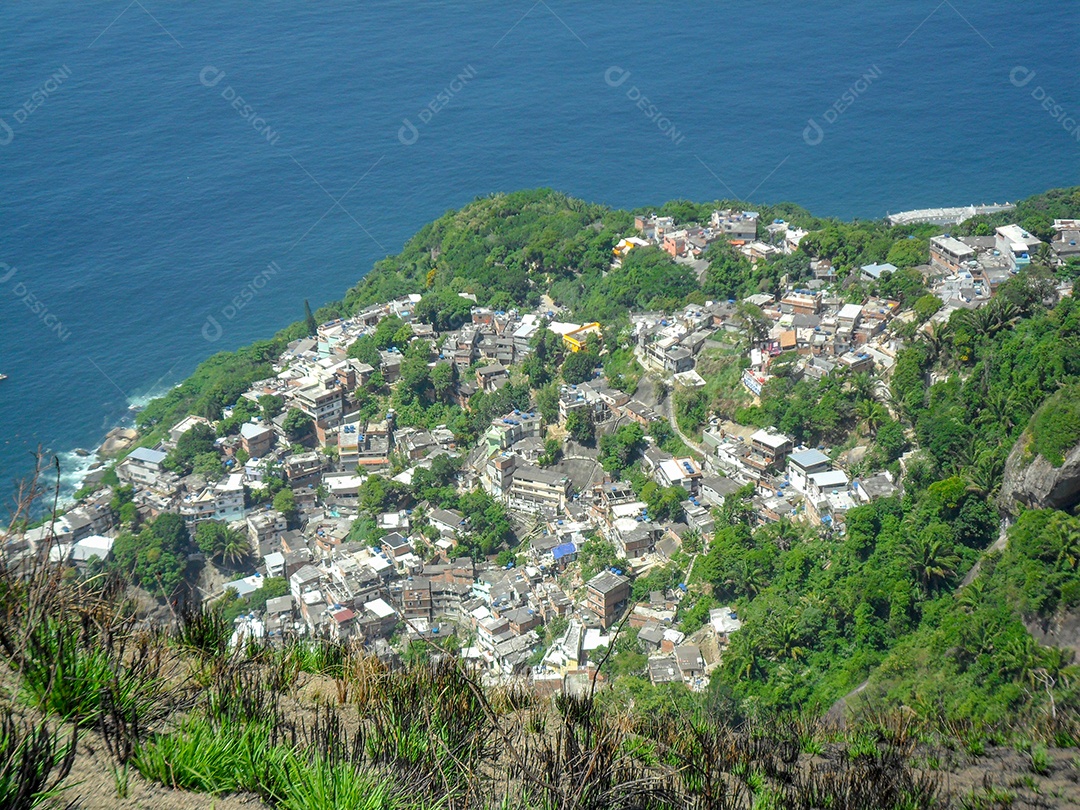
1037	483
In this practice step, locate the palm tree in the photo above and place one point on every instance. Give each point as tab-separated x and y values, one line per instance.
872	413
1068	538
984	477
784	639
935	340
1044	257
236	547
970	596
863	385
930	559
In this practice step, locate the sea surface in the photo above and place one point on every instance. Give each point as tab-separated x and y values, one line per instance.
176	179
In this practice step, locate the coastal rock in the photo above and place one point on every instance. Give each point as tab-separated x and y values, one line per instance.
1036	483
117	441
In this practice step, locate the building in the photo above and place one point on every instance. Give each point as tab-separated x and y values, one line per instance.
576	339
735	225
533	489
184	425
493	377
265	527
606	595
688	659
805	463
679	472
768	450
141	467
322	401
256	439
949	254
873	272
1016	245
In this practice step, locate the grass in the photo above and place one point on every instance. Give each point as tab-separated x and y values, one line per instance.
76	673
34	760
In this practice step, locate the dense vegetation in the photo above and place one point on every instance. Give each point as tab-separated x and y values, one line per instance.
882	603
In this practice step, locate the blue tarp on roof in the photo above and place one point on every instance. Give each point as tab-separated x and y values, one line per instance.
564	550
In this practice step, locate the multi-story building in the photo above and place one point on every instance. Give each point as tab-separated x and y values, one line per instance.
950	254
533	489
1016	245
606	595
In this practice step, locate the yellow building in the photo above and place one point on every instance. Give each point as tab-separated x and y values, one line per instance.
575	340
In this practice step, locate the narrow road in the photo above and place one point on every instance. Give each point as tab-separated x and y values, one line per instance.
669	407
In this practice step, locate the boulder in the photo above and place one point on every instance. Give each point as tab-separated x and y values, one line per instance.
1036	483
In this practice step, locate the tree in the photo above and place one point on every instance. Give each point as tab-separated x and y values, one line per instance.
365	350
552	453
618	449
309	319
156	558
217	541
579	425
547	403
579	367
297	425
442	378
208	466
909	252
930	557
195	441
285	502
872	414
271	405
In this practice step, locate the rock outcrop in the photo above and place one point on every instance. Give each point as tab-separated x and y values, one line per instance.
1037	483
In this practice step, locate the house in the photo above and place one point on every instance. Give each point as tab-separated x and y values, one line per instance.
184	425
576	339
304	580
493	377
805	463
533	489
141	467
650	637
735	225
873	272
664	670
848	318
768	450
1016	245
820	484
256	439
715	489
688	659
563	554
949	254
265	526
448	522
679	472
606	595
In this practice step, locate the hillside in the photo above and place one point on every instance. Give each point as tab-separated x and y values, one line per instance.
939	610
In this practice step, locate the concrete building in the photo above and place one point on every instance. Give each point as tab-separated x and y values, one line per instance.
949	254
606	595
1016	245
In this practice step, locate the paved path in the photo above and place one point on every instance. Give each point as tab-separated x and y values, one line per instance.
669	408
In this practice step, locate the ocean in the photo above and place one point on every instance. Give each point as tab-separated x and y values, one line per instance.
176	180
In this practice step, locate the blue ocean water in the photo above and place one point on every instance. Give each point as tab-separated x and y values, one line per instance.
155	159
